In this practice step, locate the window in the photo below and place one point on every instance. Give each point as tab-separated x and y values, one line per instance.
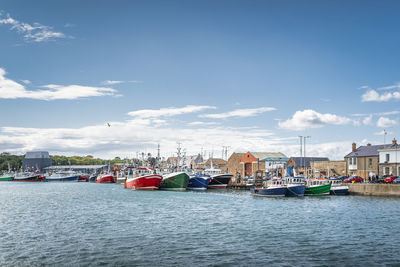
386	170
387	157
370	162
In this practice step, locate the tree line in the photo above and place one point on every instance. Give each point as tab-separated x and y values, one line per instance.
15	161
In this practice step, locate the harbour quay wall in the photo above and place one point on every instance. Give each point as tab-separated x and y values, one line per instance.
374	189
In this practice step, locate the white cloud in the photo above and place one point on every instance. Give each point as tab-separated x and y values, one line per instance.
35	32
110	82
167	112
390	87
368	120
308	118
384	122
26	81
374	96
10	89
238	113
124	138
199	123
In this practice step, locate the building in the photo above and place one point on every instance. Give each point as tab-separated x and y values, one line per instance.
364	160
301	165
36	160
234	166
267	162
328	168
389	159
217	163
88	169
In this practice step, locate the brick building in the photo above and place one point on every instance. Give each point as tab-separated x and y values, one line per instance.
234	166
267	162
328	168
301	165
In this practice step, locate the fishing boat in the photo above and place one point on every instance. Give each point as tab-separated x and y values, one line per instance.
198	182
83	178
275	188
337	188
28	177
218	180
6	177
176	181
63	176
142	179
296	186
105	177
318	187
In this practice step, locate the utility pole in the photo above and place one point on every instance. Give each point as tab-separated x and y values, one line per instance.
305	137
301	149
225	152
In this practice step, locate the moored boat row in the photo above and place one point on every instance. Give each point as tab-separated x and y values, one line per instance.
299	186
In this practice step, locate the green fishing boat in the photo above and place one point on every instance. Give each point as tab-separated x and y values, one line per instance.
176	181
318	187
7	177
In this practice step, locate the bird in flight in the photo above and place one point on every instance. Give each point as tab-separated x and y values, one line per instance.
108	124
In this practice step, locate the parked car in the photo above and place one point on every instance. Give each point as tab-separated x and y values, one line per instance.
342	177
396	181
381	179
390	179
353	179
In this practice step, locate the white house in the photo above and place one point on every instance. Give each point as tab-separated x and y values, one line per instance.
389	159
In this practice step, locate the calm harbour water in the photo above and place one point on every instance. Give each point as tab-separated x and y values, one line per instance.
79	224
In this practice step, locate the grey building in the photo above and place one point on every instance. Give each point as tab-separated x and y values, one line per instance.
36	160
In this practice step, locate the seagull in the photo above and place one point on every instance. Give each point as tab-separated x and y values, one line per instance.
108	124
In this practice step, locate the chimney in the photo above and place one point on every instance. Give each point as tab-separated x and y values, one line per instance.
394	141
353	147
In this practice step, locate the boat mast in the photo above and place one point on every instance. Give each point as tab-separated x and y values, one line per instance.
301	151
179	155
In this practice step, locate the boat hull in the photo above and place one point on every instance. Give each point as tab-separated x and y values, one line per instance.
147	182
105	179
219	181
269	192
6	178
339	190
320	190
198	182
295	190
32	178
175	182
63	179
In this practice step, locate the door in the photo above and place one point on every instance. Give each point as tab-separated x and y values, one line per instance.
247	169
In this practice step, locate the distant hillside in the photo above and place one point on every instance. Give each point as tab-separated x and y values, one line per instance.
16	161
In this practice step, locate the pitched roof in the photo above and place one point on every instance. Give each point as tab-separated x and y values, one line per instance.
270	156
367	151
301	161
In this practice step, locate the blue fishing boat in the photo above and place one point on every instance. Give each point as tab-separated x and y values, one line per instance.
276	188
198	182
296	186
67	176
337	187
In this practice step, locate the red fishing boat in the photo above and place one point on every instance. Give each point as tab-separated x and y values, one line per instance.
105	177
83	178
142	179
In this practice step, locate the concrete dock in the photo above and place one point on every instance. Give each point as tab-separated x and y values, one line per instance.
374	189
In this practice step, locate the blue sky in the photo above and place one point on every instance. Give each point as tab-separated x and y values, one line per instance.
270	70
